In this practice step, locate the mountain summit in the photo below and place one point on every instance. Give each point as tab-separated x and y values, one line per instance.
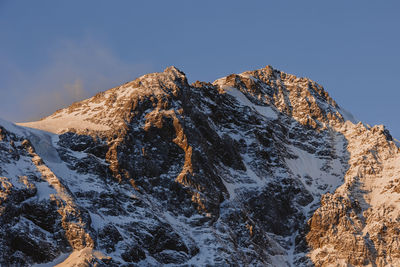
260	168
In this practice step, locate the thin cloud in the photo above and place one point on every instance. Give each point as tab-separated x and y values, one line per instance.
76	90
74	71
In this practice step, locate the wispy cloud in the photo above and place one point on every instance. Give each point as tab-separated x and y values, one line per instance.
74	71
75	89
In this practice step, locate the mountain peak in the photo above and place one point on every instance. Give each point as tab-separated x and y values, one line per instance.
109	110
174	70
301	98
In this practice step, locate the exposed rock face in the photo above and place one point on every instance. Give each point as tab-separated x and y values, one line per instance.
359	224
256	169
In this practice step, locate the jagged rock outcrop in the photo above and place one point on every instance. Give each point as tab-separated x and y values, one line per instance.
359	223
256	169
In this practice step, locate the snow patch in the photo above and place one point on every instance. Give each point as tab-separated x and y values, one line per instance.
62	124
265	111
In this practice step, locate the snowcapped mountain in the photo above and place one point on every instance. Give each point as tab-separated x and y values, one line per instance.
260	168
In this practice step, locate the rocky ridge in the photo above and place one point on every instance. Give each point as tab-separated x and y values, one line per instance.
258	168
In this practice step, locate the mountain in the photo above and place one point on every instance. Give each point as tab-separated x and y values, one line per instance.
260	168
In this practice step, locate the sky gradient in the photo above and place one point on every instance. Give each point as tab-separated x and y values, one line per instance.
56	52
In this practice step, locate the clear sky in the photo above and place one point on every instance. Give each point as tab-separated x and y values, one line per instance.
53	53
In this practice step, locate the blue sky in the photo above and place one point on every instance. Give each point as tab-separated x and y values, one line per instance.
56	52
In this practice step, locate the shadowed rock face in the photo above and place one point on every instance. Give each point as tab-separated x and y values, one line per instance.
258	168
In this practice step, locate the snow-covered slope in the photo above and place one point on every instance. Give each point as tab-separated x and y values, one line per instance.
256	169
